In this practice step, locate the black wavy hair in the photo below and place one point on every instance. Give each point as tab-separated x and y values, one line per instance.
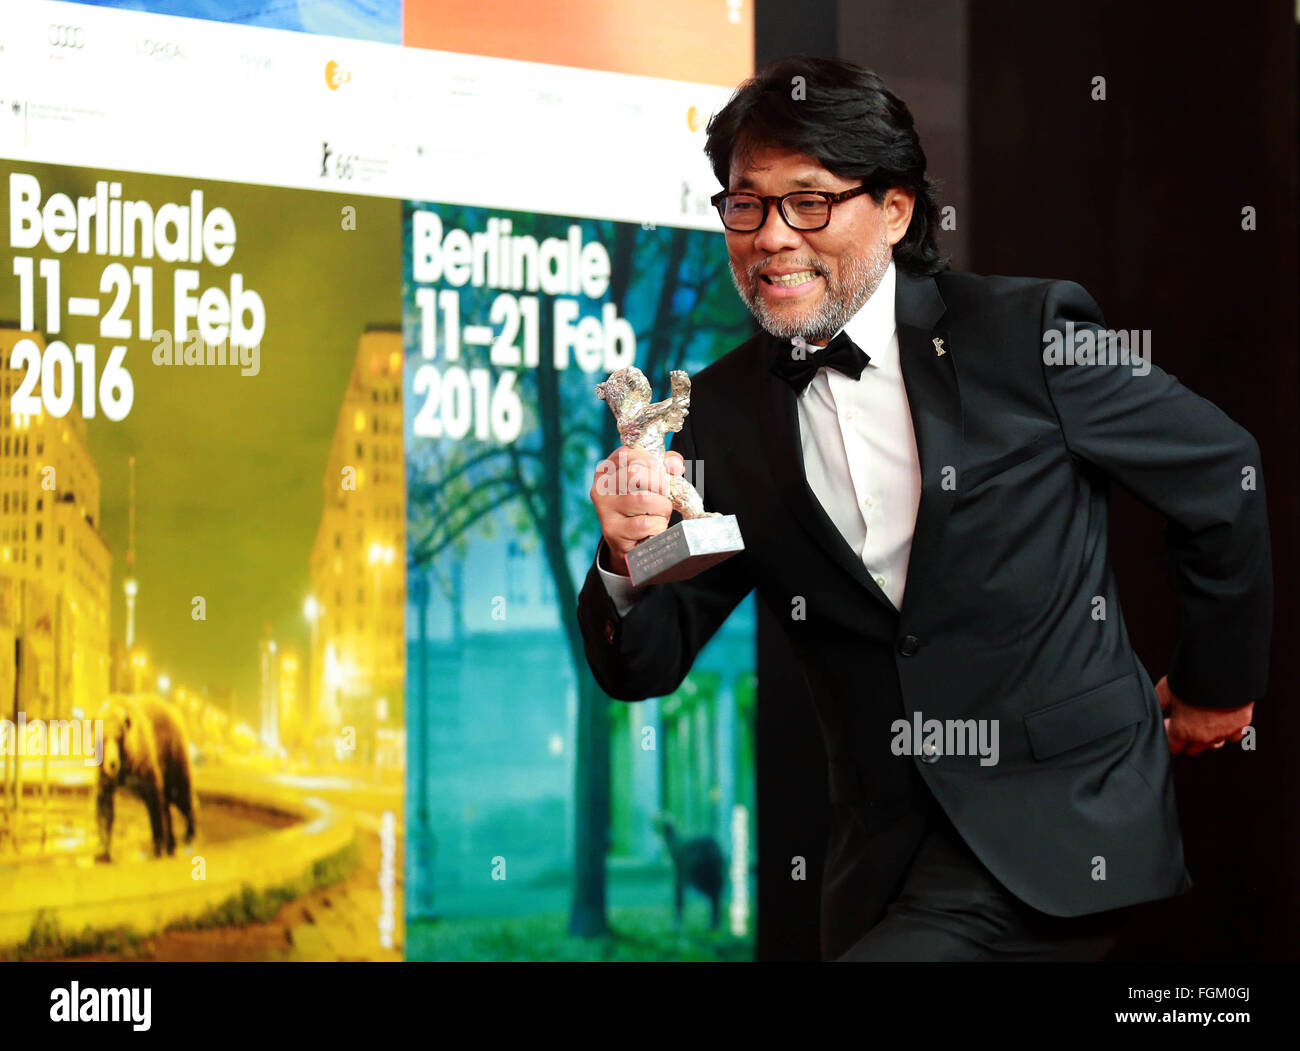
843	116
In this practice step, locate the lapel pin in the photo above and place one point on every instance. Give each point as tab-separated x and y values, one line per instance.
938	348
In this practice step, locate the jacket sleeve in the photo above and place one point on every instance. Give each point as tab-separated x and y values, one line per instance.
1183	456
648	652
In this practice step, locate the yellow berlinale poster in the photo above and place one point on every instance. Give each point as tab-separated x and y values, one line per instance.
201	570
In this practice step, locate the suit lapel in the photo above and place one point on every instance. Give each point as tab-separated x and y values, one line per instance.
936	417
935	405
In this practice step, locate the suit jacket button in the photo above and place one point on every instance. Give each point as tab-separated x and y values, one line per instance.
929	752
909	645
609	632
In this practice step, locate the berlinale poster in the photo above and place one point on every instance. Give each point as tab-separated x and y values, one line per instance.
503	432
294	505
204	444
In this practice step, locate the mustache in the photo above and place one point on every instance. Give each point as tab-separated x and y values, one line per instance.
816	266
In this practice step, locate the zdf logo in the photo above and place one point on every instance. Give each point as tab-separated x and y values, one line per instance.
66	36
336	75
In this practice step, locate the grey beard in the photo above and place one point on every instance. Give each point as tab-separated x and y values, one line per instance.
860	277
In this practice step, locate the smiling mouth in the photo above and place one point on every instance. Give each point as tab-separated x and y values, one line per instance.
802	277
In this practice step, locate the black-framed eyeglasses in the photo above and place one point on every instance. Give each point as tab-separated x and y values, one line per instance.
802	210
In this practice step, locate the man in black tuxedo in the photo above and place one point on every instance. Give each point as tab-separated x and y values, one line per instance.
919	462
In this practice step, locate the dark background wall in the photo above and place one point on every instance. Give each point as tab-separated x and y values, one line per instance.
1139	198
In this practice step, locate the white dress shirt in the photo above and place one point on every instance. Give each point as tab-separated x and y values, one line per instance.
859	453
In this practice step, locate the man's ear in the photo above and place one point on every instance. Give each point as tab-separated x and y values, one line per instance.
897	206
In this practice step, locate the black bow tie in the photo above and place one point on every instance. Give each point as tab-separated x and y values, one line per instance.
799	364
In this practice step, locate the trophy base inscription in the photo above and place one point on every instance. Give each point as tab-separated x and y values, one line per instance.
683	550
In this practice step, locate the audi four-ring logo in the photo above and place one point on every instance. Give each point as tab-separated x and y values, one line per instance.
66	36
